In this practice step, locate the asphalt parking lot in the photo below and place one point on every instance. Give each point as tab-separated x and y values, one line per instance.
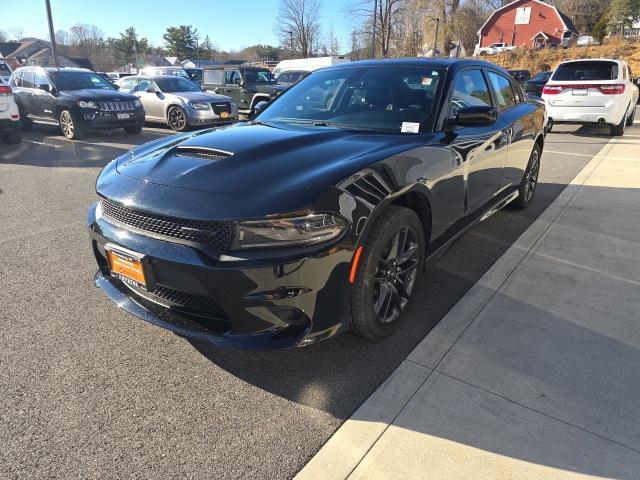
90	391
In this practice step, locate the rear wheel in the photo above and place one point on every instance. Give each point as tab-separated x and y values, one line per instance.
69	126
618	130
177	119
12	137
388	273
529	181
631	118
27	123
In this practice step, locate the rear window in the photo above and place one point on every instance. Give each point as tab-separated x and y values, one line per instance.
573	71
4	70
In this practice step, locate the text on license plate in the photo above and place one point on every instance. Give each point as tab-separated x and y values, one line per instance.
127	267
123	116
580	91
224	114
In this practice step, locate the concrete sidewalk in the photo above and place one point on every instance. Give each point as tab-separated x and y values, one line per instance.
535	373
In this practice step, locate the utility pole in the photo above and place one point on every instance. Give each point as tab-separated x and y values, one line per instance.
435	40
375	21
291	41
52	36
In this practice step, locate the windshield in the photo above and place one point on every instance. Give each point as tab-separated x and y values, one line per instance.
596	70
176	85
386	98
79	81
542	76
259	76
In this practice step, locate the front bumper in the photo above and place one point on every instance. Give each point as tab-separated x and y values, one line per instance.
99	120
210	117
278	303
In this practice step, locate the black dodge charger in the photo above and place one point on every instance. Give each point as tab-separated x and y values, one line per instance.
319	215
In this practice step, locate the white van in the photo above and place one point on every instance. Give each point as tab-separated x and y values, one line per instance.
308	64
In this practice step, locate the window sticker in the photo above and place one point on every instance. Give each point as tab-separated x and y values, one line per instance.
426	81
410	127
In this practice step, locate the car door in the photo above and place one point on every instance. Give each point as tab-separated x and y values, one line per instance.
232	88
27	83
42	100
480	151
153	102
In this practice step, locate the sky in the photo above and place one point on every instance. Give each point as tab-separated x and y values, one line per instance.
230	24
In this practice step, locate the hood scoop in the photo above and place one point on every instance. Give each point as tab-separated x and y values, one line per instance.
200	152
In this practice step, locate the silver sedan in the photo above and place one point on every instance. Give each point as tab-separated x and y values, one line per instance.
178	102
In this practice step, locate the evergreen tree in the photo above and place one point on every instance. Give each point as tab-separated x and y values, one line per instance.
181	41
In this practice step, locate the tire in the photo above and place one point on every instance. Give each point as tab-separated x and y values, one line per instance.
69	126
631	117
549	125
381	294
12	137
27	123
527	189
134	130
177	119
618	130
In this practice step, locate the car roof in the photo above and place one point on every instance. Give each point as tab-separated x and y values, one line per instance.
446	63
150	77
616	60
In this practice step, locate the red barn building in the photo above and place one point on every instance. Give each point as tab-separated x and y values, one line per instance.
528	23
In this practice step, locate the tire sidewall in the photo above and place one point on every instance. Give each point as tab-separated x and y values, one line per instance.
363	287
186	119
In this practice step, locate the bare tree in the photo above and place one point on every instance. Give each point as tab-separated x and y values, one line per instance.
331	43
3	36
17	33
298	25
388	17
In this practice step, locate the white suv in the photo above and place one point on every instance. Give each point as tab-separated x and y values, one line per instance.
494	49
10	130
592	91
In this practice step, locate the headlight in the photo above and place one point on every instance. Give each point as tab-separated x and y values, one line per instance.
199	105
137	103
83	104
288	231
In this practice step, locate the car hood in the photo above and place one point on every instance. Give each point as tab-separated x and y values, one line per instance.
200	97
98	94
258	159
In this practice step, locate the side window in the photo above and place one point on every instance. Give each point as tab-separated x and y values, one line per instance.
469	90
41	79
517	93
503	90
17	81
144	85
28	80
129	84
213	77
230	76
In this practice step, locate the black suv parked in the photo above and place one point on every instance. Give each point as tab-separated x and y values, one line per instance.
245	84
76	99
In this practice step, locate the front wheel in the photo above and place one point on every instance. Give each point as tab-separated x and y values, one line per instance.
177	119
529	181
388	273
133	130
69	126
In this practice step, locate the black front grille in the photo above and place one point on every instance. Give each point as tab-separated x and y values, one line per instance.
214	234
196	304
218	108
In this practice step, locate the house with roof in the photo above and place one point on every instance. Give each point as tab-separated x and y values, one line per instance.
528	24
37	52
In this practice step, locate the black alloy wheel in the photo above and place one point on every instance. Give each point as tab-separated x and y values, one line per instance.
529	181
177	119
389	270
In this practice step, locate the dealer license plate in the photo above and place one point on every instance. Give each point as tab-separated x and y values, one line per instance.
126	265
123	116
224	114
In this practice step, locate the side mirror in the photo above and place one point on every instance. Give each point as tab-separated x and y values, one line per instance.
259	107
116	86
44	87
238	81
151	90
477	116
203	89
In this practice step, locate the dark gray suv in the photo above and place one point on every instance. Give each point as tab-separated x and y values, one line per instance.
245	84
